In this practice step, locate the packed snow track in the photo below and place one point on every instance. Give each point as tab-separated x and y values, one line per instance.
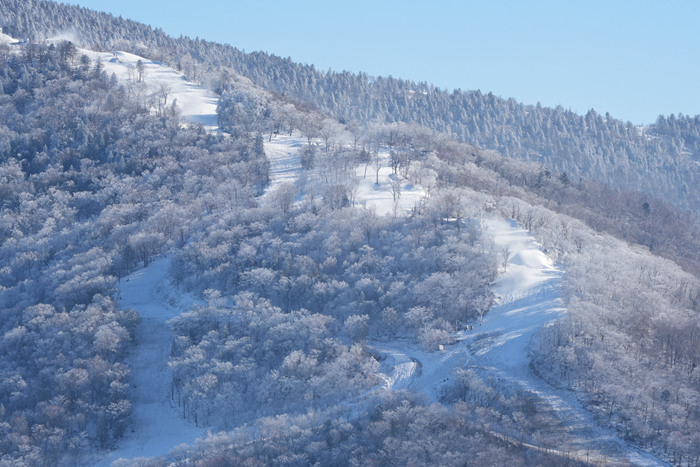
158	425
528	297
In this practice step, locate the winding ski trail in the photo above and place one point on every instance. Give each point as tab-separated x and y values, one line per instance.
158	426
528	297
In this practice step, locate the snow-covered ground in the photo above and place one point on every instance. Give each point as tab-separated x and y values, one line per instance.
196	104
285	164
379	197
158	425
285	167
528	297
5	39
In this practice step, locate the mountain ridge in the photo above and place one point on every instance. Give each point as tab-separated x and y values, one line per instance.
661	161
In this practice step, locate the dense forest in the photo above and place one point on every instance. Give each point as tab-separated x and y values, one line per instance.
296	283
92	185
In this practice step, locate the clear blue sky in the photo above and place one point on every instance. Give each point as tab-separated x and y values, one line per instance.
634	59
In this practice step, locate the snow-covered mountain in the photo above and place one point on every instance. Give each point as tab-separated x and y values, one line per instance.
528	297
315	291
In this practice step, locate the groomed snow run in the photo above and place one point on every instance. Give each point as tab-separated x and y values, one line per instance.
158	425
196	104
285	163
528	297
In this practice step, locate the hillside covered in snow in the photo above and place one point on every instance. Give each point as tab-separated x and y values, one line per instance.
205	271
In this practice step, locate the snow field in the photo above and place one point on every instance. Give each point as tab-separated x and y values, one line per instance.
5	39
380	198
196	104
285	164
285	167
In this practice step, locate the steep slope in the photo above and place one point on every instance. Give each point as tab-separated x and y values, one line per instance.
656	163
384	203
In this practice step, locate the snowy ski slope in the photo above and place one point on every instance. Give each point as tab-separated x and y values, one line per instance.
158	424
529	297
196	104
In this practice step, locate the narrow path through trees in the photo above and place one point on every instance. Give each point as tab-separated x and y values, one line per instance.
158	425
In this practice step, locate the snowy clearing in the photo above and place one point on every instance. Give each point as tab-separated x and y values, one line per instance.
157	81
379	197
196	104
393	195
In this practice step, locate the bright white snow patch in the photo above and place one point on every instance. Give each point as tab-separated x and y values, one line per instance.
285	163
527	266
528	296
285	167
196	103
5	39
379	197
